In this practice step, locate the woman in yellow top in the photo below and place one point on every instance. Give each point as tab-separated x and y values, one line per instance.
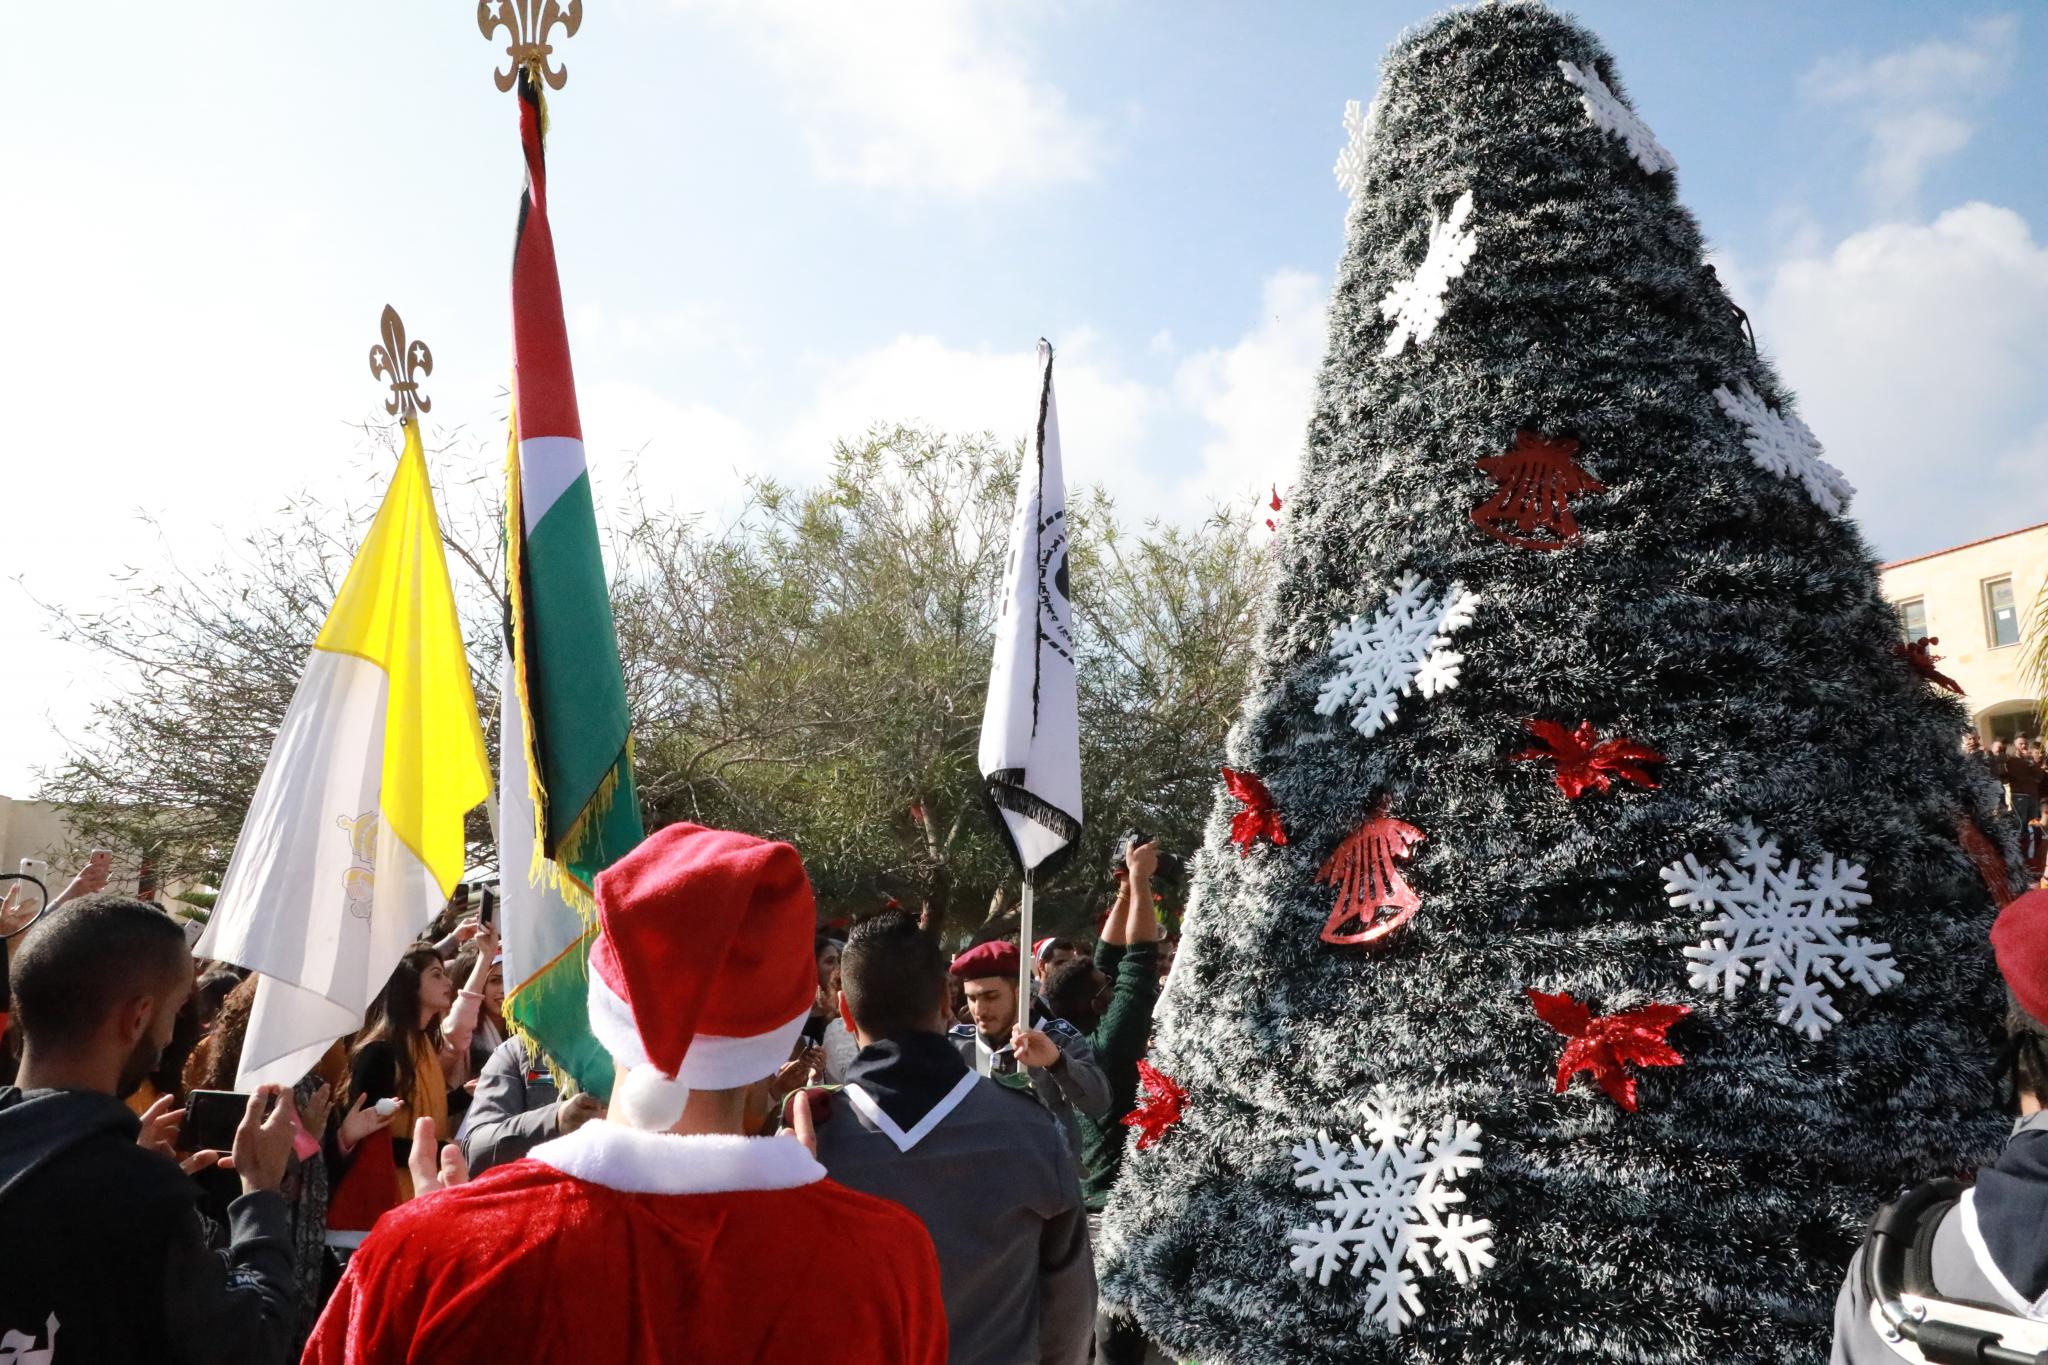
414	1048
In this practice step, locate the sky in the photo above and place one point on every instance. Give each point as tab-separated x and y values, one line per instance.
780	221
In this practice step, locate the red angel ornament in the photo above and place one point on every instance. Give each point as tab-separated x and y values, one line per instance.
1537	479
1160	1098
1258	820
1603	1045
1365	870
1921	658
1585	761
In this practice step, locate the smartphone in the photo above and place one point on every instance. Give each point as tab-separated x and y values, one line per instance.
488	914
211	1118
39	868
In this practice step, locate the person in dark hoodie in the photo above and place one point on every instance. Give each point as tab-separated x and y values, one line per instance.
105	1257
985	1167
1989	1248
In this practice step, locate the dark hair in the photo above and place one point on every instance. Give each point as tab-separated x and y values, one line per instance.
394	1016
2026	1052
86	958
822	940
1069	985
893	974
215	987
219	1055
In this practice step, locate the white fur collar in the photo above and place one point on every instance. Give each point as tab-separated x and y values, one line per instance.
622	1158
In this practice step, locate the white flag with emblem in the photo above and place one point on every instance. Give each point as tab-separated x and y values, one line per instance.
1031	727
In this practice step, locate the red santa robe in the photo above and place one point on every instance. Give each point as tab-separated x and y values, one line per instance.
616	1245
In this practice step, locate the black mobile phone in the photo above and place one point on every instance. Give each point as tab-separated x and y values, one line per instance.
211	1117
488	912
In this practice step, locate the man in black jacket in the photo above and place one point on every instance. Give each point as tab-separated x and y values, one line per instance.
105	1257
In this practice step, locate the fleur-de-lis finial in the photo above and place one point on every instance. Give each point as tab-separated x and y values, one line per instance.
528	23
402	364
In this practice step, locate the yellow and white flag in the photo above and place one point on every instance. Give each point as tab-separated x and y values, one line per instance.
354	839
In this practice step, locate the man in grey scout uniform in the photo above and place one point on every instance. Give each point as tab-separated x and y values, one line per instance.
985	1167
1976	1259
1049	1056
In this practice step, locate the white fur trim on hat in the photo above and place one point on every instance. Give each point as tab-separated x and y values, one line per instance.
712	1063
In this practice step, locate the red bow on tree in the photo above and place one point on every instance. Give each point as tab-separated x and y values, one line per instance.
1602	1045
1159	1104
1532	508
1920	656
1584	760
1258	820
1365	870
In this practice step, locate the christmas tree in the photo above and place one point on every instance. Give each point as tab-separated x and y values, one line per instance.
1592	931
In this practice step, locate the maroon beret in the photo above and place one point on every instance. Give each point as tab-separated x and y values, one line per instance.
2019	940
995	958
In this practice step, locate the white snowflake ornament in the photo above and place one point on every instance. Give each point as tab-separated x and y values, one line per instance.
1785	446
1392	1203
1405	648
1785	925
1358	121
1416	304
1607	113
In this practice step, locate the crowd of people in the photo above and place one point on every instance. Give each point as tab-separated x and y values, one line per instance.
789	1108
2021	770
907	1079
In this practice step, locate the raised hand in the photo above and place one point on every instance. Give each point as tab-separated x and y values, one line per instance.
91	879
433	1166
263	1145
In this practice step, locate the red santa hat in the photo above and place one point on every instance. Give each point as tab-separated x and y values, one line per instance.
2019	940
702	976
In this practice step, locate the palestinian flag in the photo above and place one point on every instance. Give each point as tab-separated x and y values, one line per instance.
566	752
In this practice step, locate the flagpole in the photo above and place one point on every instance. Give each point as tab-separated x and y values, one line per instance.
1025	957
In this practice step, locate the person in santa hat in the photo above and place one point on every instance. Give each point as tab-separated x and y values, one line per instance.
1967	1269
661	1233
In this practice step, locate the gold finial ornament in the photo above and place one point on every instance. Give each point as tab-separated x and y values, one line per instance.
528	23
402	364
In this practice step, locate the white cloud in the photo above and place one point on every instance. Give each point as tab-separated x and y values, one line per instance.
1916	351
1913	104
1255	395
925	94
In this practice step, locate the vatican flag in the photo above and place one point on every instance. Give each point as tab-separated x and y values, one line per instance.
354	839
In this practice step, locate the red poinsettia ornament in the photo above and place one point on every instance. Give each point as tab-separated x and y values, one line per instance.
1921	658
1603	1045
1258	820
1585	761
1365	870
1538	480
1160	1098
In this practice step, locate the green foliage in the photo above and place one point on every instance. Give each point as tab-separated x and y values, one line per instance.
814	671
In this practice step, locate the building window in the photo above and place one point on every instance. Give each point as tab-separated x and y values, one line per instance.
2000	614
1913	616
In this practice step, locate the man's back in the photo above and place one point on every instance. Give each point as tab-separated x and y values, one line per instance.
613	1245
994	1182
103	1248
